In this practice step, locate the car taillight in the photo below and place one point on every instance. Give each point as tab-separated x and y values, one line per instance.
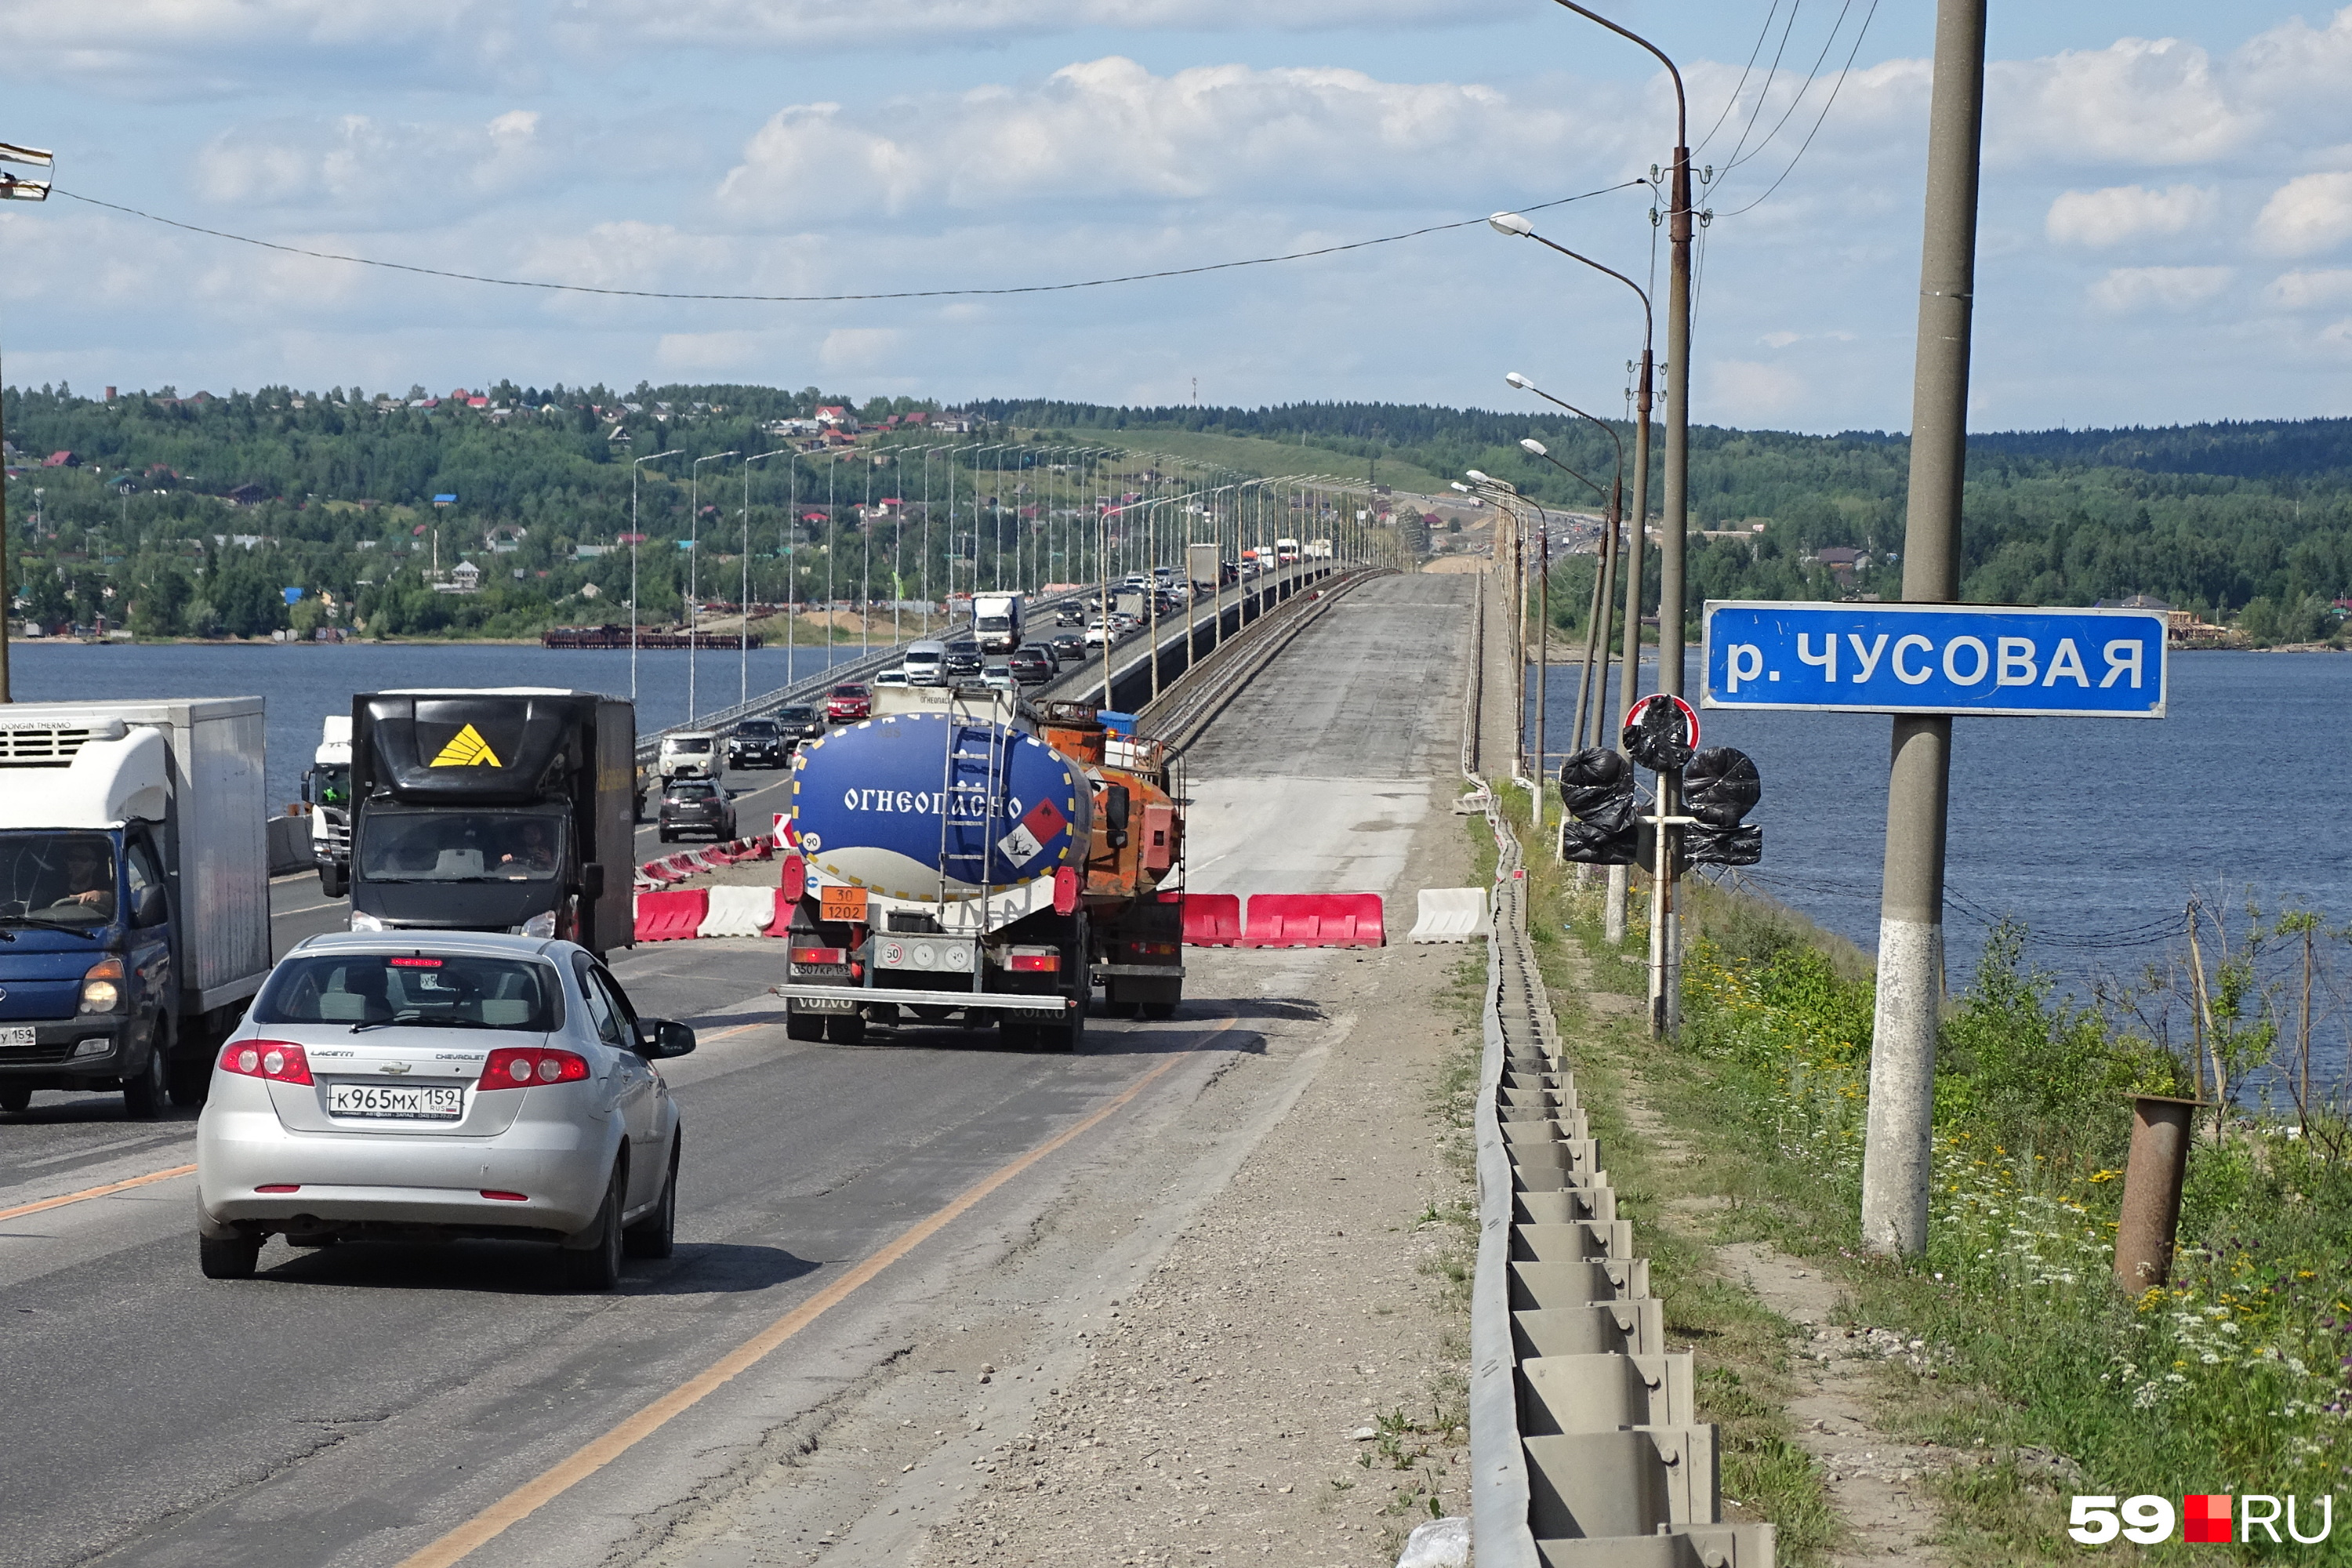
519	1067
1034	960
820	956
280	1060
792	880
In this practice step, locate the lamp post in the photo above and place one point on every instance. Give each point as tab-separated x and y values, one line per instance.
1629	678
1593	640
694	574
1615	502
1666	990
743	653
16	190
635	536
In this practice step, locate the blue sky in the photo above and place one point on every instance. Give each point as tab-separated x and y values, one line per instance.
2167	231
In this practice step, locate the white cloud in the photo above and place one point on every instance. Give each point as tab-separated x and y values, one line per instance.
855	350
2136	101
1111	130
378	165
2119	213
2129	291
2307	215
2312	290
735	24
1751	392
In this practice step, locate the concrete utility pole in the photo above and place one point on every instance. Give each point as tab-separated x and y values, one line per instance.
16	189
1896	1155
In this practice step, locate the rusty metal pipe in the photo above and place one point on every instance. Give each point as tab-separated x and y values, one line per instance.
2152	1180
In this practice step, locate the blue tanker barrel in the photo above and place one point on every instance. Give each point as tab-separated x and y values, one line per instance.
904	804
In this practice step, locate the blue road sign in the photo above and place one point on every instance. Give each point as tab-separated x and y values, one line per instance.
1969	659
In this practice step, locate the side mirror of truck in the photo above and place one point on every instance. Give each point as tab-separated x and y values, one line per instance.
592	881
661	1038
151	908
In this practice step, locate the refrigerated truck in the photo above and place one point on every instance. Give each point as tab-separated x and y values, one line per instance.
135	893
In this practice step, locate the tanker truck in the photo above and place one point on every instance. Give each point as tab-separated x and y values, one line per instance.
935	871
1134	860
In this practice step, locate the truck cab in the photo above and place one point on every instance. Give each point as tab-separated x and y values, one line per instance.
326	790
495	810
134	919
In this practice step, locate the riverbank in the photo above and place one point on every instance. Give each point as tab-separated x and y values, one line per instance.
1945	1409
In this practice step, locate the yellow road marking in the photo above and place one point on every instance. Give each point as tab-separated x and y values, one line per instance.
528	1498
87	1193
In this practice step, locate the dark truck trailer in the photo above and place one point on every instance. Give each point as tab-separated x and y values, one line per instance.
511	809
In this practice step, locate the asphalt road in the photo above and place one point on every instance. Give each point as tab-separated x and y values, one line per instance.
353	1405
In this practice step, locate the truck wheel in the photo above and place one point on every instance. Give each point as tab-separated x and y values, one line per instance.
1158	1009
1070	1036
597	1267
15	1097
845	1028
1017	1032
804	1026
656	1235
330	882
144	1096
664	835
228	1257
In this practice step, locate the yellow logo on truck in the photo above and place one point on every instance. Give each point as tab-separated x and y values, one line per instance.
466	749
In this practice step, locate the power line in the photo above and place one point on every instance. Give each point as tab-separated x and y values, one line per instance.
1835	88
1812	76
814	299
1745	72
1764	92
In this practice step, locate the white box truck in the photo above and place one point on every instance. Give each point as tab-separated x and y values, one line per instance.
135	893
996	621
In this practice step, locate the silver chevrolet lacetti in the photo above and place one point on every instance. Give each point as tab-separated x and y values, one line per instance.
441	1085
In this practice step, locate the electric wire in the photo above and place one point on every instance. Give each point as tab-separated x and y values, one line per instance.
1835	88
816	298
1763	93
1804	92
1740	86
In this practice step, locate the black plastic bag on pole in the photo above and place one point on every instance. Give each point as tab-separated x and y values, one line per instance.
1659	738
1739	844
1596	786
1720	786
1588	844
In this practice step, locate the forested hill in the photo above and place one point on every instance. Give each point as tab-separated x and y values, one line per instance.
2248	521
2242	521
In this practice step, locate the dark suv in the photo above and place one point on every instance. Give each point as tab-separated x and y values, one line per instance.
800	722
964	662
1068	646
758	744
1031	664
696	805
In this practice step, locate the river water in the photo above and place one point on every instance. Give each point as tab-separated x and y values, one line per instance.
2093	832
304	682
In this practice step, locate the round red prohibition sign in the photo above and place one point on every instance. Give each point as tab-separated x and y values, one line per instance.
1634	716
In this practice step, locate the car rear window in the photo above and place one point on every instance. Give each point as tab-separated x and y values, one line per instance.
454	991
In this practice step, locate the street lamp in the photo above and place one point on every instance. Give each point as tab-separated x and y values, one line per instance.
694	572
1665	979
635	536
1596	640
743	653
16	190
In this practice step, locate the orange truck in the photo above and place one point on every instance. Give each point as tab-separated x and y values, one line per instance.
1135	861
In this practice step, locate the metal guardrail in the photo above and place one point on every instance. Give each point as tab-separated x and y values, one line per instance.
649	746
1585	1449
1088	676
1184	710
